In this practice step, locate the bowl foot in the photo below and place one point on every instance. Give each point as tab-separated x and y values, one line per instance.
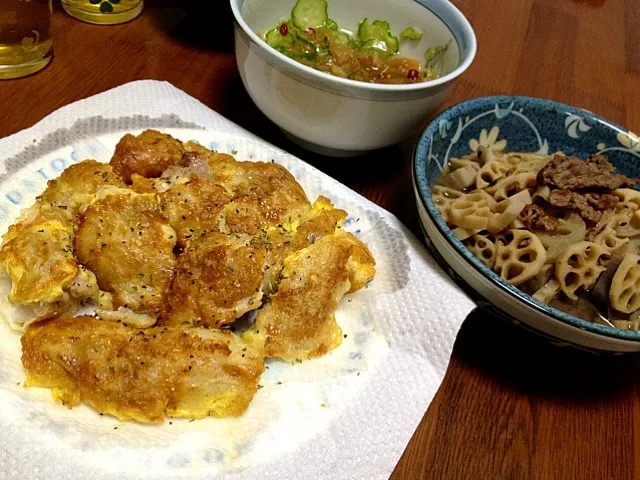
328	151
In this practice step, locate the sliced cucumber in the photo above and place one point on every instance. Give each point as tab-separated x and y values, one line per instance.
332	25
309	13
275	39
434	57
411	33
377	35
341	37
303	40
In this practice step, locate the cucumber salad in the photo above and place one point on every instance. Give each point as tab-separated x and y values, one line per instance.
312	38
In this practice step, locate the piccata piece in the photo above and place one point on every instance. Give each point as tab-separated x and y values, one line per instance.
148	154
141	374
126	241
76	187
218	279
299	322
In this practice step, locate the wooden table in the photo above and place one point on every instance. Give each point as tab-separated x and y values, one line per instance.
511	405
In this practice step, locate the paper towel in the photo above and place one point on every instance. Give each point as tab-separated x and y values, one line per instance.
347	415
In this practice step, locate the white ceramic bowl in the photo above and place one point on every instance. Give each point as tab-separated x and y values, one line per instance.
344	117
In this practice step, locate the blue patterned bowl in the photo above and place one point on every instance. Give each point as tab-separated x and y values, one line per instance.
518	124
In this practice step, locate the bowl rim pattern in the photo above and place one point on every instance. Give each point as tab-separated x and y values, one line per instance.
420	160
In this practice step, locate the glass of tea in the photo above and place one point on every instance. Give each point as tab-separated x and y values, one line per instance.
25	37
103	12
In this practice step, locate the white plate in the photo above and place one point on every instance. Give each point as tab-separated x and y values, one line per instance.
351	410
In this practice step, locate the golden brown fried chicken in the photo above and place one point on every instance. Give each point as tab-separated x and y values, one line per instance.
38	250
76	186
38	255
148	154
141	374
45	277
125	240
193	208
260	194
218	279
264	194
284	239
299	322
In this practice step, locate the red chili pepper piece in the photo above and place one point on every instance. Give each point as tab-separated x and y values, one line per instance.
413	74
284	29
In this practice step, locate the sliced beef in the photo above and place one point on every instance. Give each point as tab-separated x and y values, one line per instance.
574	174
601	201
588	205
535	218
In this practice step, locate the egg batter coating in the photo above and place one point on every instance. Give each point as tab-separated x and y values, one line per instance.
287	238
46	279
38	256
260	194
77	185
264	194
125	240
299	323
193	208
38	250
218	279
141	374
148	154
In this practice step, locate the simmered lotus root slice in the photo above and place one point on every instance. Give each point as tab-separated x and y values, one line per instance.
609	239
482	247
626	205
624	293
517	224
472	211
522	159
571	229
547	292
532	164
540	279
628	196
541	193
625	223
579	266
442	198
486	155
490	173
519	256
472	159
507	211
464	233
463	177
513	184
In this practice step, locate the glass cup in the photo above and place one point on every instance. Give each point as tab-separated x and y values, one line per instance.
25	37
103	12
